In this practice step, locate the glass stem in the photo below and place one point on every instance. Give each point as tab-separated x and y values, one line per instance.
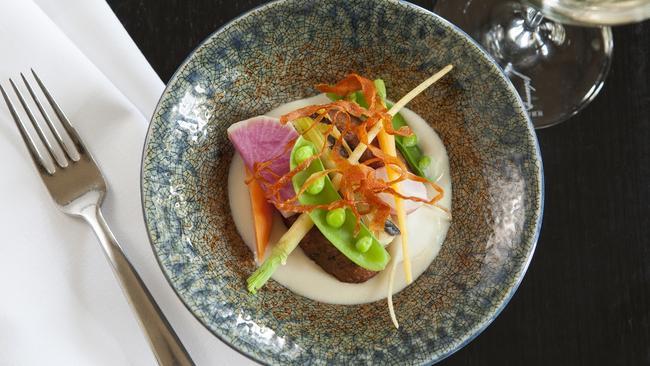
533	18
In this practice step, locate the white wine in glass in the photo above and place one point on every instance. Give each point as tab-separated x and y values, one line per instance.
593	12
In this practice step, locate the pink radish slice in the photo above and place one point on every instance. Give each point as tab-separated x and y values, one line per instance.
260	139
407	188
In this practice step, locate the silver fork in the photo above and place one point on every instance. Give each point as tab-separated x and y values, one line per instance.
77	186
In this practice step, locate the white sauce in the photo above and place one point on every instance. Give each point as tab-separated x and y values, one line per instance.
427	226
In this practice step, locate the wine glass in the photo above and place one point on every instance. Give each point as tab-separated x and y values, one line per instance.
556	52
590	12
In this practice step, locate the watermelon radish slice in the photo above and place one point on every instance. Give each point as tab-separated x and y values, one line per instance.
261	138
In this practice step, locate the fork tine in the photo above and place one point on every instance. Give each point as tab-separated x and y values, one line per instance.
31	146
67	150
65	122
37	127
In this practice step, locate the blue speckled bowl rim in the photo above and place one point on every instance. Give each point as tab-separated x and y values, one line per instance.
531	129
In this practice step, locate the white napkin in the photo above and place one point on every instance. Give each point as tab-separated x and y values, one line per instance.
60	303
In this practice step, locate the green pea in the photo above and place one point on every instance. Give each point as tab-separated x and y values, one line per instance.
363	244
317	186
424	162
303	153
410	140
336	217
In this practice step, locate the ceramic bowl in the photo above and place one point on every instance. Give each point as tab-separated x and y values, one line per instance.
275	54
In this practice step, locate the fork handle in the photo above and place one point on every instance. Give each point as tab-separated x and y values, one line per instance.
164	342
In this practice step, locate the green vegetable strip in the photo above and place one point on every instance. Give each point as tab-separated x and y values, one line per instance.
374	257
280	253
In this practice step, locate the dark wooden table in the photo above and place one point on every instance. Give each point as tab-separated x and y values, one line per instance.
586	297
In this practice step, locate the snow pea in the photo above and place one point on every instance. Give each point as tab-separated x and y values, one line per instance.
343	237
411	152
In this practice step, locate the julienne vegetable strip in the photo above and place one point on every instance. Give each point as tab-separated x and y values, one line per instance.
393	111
303	224
387	144
412	155
262	215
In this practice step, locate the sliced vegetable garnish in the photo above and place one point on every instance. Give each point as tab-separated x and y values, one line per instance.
387	143
413	155
264	144
407	188
262	215
309	130
373	257
351	178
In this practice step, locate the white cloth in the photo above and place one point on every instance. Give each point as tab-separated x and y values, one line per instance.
60	303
